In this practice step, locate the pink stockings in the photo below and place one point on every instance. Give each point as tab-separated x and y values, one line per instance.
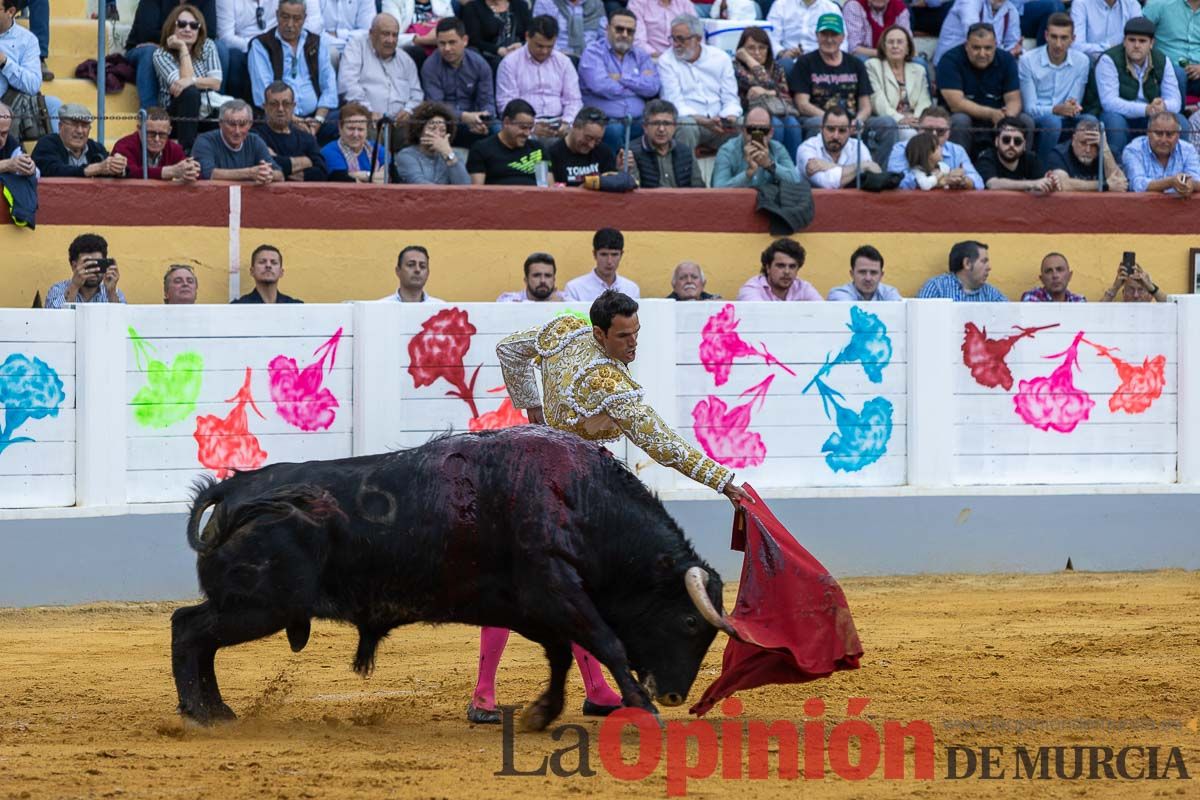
491	647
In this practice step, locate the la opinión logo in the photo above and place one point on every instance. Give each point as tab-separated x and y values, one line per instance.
736	749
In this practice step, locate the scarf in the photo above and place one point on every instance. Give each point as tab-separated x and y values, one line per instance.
593	12
890	13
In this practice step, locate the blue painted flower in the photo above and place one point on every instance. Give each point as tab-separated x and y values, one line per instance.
861	438
29	389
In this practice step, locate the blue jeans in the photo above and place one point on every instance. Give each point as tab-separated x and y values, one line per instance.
789	133
39	24
142	59
614	135
1034	16
1051	129
53	105
235	70
1186	87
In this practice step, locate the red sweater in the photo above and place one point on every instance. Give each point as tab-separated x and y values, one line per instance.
131	147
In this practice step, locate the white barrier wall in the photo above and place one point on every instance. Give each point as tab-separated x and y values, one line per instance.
925	394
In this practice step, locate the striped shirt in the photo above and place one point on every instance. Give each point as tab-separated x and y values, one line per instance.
947	286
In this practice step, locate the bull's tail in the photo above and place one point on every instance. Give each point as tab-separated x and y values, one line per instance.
207	491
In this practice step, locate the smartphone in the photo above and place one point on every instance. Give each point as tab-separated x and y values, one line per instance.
485	116
758	137
1128	260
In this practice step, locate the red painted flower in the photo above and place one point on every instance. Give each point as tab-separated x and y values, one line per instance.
226	444
985	357
1140	386
298	394
720	344
438	352
506	416
724	432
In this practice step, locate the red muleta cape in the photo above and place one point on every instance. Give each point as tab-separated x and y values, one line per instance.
791	617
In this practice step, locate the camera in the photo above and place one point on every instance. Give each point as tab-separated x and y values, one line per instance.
103	264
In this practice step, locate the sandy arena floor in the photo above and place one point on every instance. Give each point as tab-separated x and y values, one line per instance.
86	699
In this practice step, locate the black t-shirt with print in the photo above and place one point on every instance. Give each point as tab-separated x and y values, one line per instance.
504	166
571	168
828	86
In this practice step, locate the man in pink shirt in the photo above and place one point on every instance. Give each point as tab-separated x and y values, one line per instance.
654	22
543	77
779	280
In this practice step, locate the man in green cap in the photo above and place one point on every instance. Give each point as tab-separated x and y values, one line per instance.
829	78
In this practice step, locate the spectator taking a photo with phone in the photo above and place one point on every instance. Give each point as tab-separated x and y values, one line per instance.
1134	284
93	278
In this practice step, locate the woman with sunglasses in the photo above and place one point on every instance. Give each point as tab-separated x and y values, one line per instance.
762	83
188	69
901	86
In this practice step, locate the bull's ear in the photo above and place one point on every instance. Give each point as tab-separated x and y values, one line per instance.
665	564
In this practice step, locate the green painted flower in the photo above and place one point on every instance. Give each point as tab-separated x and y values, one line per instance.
170	393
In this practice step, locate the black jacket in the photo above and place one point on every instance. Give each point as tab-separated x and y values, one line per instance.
20	191
52	158
483	26
151	14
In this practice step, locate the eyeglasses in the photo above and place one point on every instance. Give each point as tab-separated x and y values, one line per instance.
623	29
660	123
158	134
187	24
1163	134
764	130
280	103
684	39
1015	140
941	133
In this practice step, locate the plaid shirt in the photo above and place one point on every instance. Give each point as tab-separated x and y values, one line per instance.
947	286
1040	295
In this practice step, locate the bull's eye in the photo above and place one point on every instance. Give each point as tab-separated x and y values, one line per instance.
692	622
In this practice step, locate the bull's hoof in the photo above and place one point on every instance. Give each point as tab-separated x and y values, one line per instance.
482	716
206	716
538	716
591	709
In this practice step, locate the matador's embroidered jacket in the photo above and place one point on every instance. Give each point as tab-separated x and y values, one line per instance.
594	396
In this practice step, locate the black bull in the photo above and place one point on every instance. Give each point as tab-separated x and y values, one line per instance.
525	528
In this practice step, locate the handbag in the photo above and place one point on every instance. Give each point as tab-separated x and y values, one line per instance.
775	105
31	118
211	102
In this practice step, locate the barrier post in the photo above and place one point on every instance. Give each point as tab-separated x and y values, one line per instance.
1188	424
101	350
101	55
378	408
931	409
145	151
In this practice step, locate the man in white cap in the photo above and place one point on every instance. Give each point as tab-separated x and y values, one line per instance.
70	153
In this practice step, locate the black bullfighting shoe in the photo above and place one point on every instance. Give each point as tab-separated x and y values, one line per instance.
482	716
591	709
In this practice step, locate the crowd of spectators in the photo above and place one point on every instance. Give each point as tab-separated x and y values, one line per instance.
95	277
517	85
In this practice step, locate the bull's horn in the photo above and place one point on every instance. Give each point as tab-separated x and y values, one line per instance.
696	580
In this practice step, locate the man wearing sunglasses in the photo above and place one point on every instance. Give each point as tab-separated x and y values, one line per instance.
165	159
1010	164
618	77
753	158
936	120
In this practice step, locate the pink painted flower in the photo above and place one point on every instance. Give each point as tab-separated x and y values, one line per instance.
724	433
438	352
720	344
298	394
986	357
506	416
1054	401
227	444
